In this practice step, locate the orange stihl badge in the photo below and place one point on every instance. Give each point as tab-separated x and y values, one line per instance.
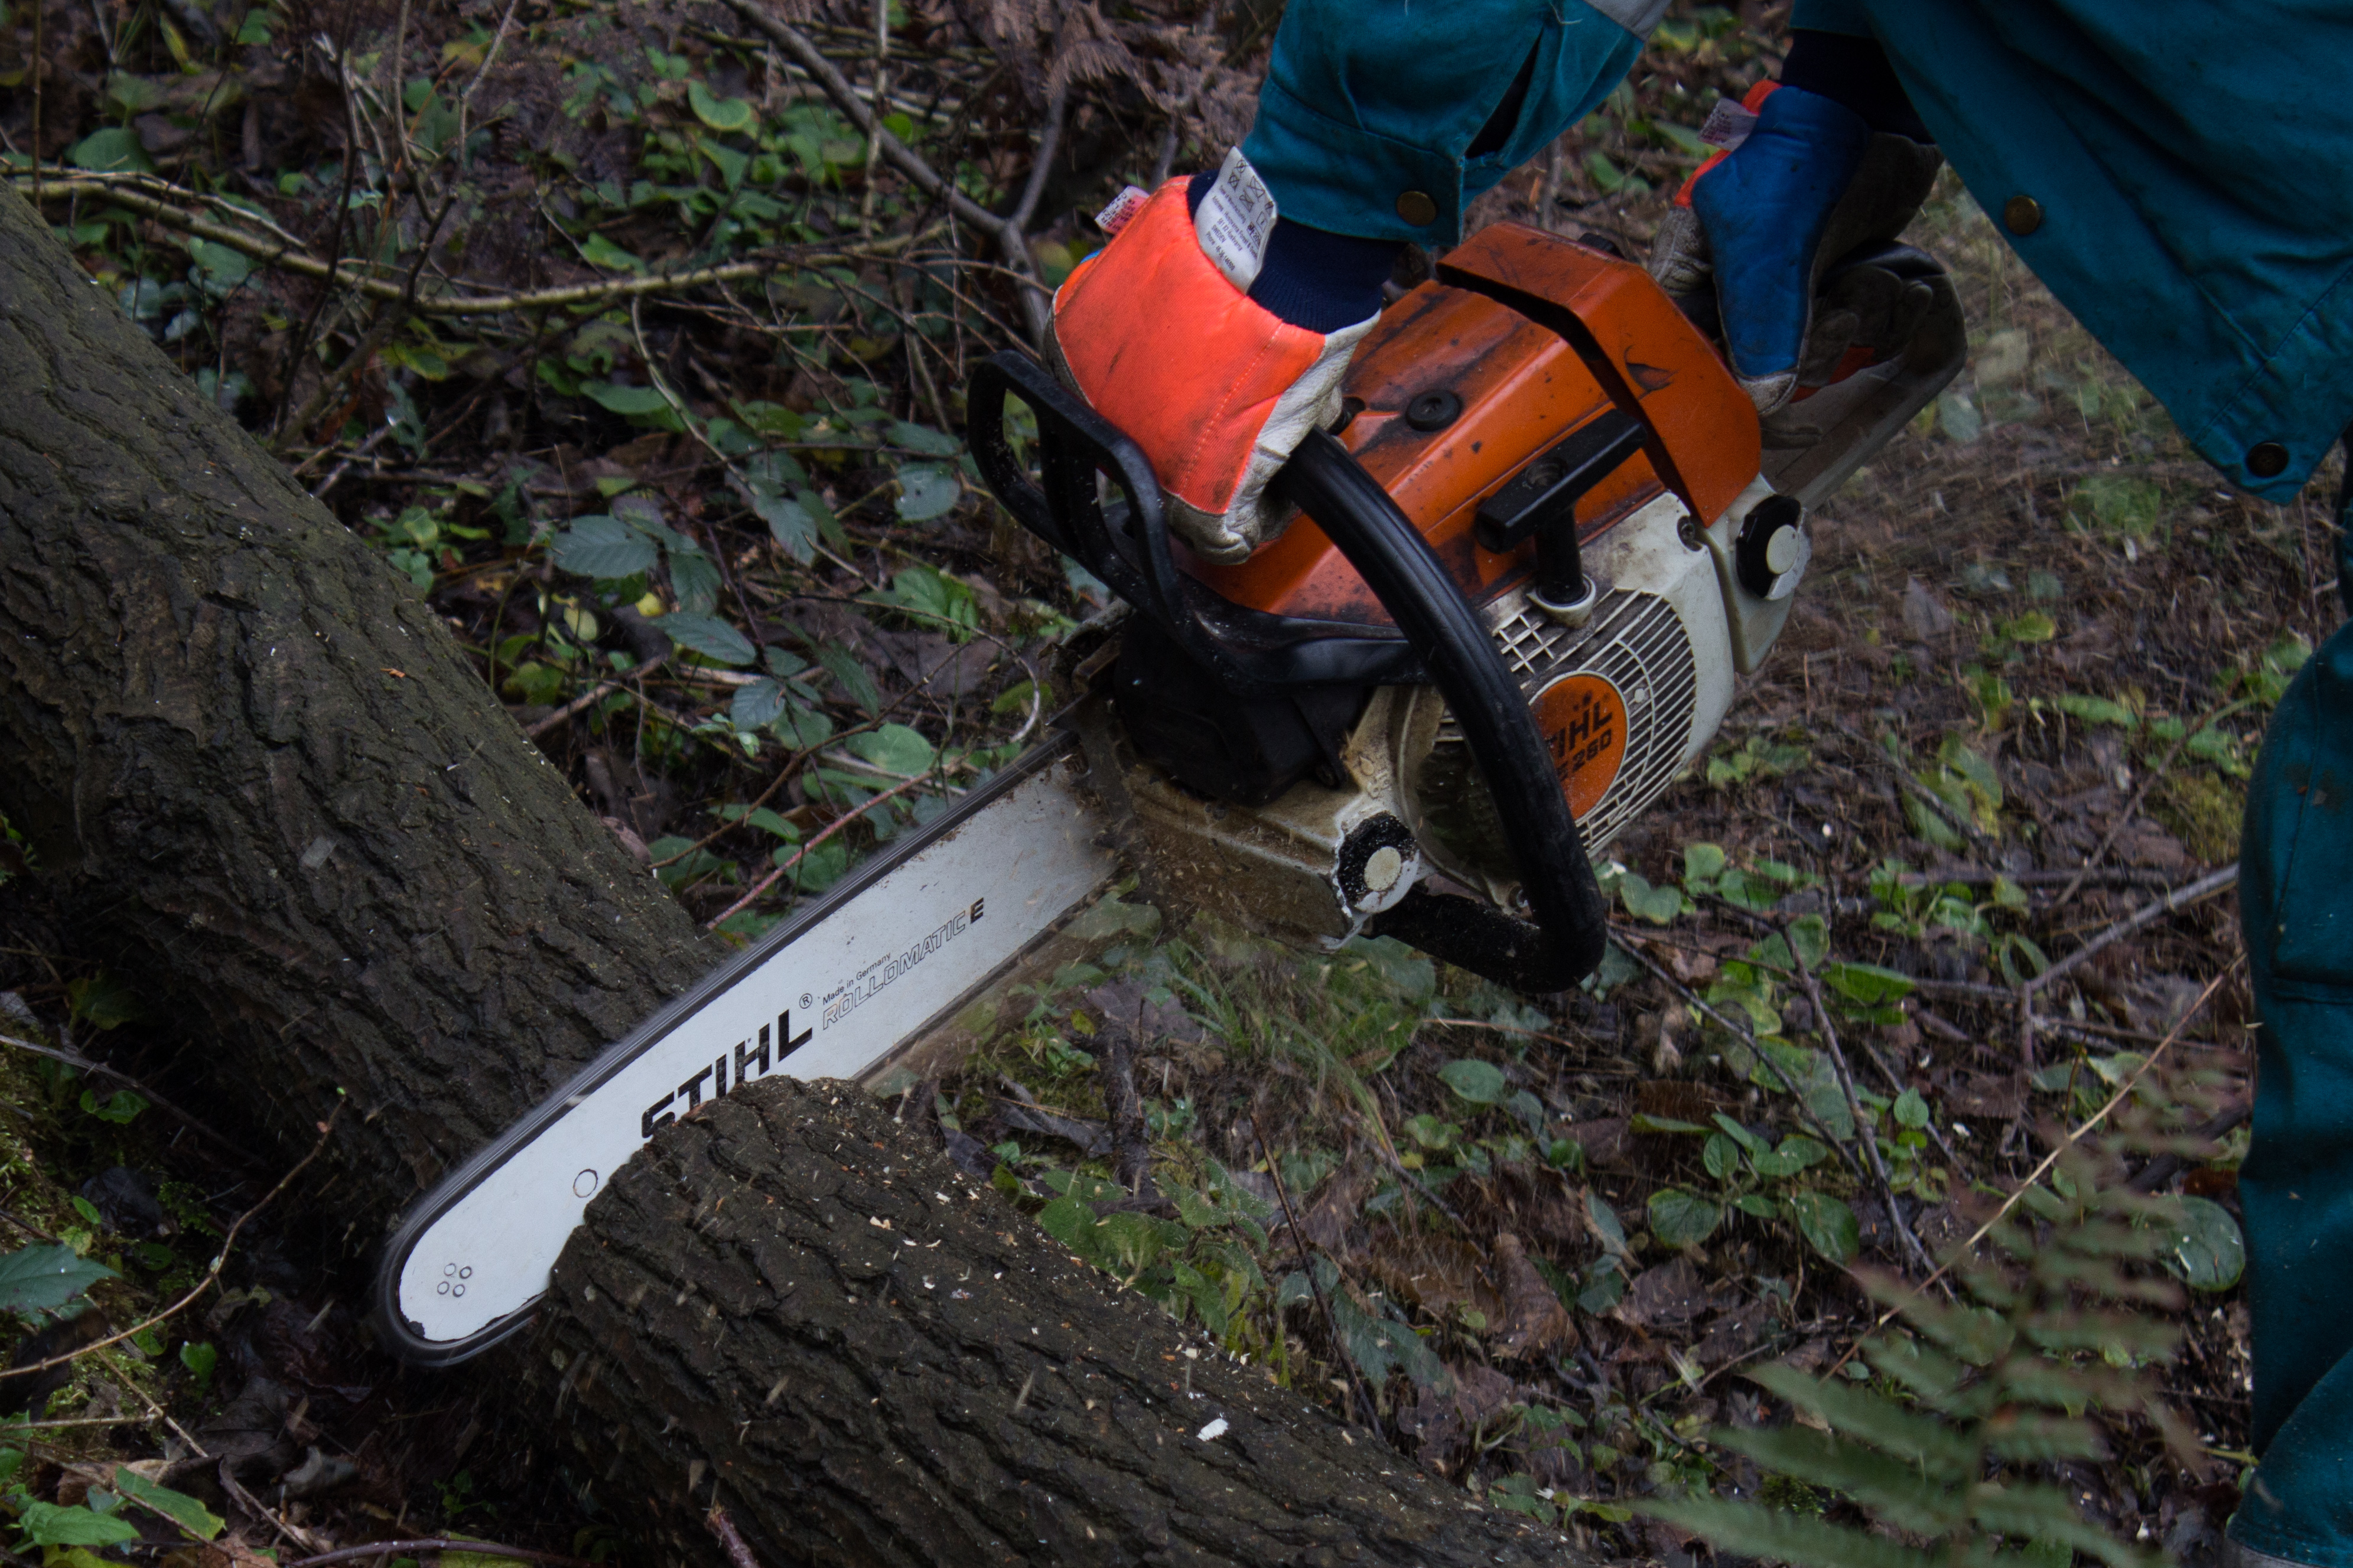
1583	722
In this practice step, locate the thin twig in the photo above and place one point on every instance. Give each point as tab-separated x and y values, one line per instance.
588	700
1863	1133
220	1260
2180	897
2069	1141
1307	1265
739	1550
262	1510
1008	232
835	825
85	1065
1691	999
2149	781
853	105
278	253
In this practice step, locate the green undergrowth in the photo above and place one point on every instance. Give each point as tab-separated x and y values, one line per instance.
1942	1444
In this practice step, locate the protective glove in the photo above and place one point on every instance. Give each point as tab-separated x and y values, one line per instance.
1747	241
1215	333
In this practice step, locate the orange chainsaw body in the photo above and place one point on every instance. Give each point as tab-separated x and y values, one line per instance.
1538	336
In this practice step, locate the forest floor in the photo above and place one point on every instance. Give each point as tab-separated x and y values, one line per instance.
713	537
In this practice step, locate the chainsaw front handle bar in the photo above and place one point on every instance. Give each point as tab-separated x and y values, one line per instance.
1251	653
1395	562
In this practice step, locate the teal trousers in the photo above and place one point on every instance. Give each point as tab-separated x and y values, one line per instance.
2295	907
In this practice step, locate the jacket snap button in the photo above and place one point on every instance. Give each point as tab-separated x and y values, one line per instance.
2022	215
2267	461
1416	209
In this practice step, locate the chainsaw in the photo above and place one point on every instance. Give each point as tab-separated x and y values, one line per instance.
1523	571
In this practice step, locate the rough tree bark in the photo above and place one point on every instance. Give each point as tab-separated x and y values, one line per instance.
260	770
262	776
794	1308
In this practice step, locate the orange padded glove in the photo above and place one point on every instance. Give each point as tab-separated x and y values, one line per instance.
1159	331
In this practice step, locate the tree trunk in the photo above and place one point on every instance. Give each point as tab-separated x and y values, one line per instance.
266	782
260	770
794	1308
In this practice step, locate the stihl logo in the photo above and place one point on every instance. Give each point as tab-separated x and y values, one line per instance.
1582	718
1588	733
749	1063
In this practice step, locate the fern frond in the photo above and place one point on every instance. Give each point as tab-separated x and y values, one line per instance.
1889	1488
1934	1378
2049	1514
2079	1330
1751	1530
1979	1335
2026	1438
1940	1452
2056	1269
2058	1386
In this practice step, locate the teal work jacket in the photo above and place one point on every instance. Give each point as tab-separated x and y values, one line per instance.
2178	161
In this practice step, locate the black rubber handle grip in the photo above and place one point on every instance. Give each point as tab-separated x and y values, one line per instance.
1382	542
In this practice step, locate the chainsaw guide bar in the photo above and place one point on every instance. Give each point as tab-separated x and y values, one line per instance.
882	962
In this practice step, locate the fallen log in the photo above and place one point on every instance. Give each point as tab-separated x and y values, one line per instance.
792	1307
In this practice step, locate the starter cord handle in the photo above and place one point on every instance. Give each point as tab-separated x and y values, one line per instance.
1382	542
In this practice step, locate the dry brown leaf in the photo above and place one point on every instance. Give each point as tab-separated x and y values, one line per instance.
1534	1318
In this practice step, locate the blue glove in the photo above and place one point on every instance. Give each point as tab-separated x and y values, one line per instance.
1755	229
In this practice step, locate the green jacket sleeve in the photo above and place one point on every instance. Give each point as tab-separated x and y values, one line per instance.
1370	106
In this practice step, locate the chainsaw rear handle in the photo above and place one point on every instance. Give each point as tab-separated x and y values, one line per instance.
1437	639
1382	542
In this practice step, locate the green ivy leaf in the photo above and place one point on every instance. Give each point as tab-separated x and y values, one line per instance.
2097	710
39	1279
178	1507
727	114
1659	905
1679	1218
114	149
200	1360
1073	1224
1606	1226
927	491
1829	1226
1866	984
598	251
895	749
47	1524
710	637
2209	1252
635	402
604	548
924	440
1481	1083
1722	1156
1911	1109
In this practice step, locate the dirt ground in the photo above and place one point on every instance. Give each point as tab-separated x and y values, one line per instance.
2016	703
